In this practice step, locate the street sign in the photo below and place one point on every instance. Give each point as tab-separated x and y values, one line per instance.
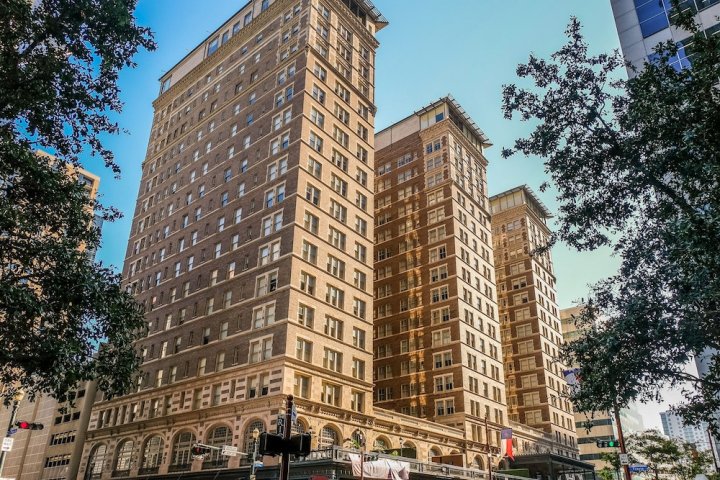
624	459
12	431
229	451
7	444
638	468
280	424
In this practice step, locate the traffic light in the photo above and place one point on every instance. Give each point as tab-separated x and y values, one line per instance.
300	444
199	450
29	425
271	444
607	444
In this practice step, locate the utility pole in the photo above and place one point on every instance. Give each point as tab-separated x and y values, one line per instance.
621	439
285	462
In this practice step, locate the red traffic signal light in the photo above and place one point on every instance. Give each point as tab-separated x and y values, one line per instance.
199	450
29	426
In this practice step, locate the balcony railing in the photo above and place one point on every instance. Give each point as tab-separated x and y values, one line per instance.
339	454
180	467
148	470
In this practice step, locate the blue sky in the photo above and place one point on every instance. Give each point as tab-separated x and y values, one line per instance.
468	48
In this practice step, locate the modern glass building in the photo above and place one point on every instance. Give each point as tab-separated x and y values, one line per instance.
642	24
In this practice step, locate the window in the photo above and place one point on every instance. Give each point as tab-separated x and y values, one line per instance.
444	407
309	252
303	350
335	296
312	194
212	46
307	283
443	359
314	167
260	350
330	394
316	142
275	195
338	211
359	307
269	253
341	136
266	283
333	327
441	337
337	238
332	360
311	222
318	94
317	117
264	315
302	386
358	369
358	336
306	315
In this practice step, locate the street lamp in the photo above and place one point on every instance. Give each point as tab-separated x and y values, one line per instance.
402	442
256	437
17	398
361	441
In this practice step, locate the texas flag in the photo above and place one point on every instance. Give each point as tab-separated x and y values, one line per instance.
506	439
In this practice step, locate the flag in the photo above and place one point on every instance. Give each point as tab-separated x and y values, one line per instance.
506	439
572	377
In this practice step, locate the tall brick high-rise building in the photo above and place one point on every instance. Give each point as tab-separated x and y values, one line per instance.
251	242
252	251
437	336
529	316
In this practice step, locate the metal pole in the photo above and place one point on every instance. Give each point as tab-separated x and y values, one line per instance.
712	449
362	456
621	439
256	436
285	462
13	413
487	442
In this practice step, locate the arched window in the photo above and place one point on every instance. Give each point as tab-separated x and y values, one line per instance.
96	462
124	456
328	437
152	453
478	463
434	452
299	427
181	452
218	437
249	440
409	450
381	444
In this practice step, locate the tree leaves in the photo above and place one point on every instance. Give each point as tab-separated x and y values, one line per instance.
637	167
59	65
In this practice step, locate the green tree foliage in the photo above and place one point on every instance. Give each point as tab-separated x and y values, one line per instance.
59	65
636	164
667	456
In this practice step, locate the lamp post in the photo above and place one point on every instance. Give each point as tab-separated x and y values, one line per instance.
256	437
361	441
402	441
17	398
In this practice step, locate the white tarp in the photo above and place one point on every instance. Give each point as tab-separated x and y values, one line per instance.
383	468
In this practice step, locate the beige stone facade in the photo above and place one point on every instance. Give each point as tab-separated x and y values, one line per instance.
531	331
252	251
437	340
